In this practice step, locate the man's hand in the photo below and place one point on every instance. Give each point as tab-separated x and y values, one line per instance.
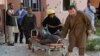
62	38
52	26
89	32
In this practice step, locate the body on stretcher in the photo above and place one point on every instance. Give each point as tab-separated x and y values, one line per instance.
36	39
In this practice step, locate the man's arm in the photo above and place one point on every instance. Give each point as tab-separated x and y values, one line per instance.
22	15
88	24
65	28
54	26
58	23
44	23
93	8
10	13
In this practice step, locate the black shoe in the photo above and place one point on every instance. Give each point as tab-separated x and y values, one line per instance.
21	42
27	42
15	42
10	44
2	43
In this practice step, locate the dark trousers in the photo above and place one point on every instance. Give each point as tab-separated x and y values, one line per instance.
27	34
21	35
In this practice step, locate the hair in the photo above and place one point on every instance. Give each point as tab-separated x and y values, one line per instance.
88	2
28	8
71	6
21	4
9	4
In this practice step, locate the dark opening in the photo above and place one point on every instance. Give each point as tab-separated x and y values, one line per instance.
66	4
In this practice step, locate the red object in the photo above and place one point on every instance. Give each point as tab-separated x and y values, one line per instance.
35	38
55	45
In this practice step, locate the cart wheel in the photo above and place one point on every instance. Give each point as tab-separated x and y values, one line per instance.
33	50
45	50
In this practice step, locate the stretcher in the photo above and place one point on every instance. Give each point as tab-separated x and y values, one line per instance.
48	48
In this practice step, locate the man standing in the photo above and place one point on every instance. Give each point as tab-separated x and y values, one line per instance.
28	23
10	23
20	14
79	27
90	12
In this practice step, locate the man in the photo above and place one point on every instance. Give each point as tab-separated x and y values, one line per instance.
10	23
90	12
79	27
53	27
28	23
20	14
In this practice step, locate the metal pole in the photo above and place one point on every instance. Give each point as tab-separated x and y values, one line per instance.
5	21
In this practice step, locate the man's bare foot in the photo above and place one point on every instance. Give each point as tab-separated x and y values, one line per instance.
69	54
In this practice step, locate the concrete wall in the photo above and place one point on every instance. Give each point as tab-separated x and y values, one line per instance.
38	18
57	5
81	4
2	2
43	8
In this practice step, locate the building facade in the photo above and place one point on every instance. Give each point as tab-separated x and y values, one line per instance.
59	6
2	23
40	8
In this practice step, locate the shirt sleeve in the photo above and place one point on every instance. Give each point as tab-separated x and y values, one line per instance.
93	8
44	23
87	22
10	12
65	28
22	15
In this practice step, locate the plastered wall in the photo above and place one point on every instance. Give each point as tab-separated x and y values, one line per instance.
57	5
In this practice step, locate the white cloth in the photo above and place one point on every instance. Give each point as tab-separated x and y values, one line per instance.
20	11
15	28
11	11
10	34
10	30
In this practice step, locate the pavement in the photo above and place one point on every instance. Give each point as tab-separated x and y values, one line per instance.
21	50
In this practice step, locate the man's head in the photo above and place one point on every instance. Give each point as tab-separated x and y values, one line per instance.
21	6
89	3
72	10
29	10
51	13
10	6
